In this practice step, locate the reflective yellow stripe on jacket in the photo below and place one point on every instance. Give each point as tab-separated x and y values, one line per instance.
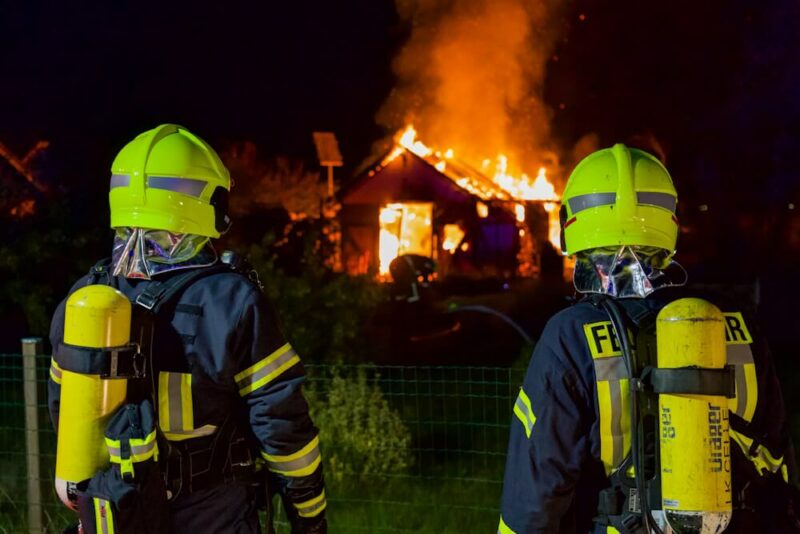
175	412
740	355
299	464
141	449
266	370
613	394
55	371
524	412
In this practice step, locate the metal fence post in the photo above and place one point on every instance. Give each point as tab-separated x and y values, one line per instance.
31	348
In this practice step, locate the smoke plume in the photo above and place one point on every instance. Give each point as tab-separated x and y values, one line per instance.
471	76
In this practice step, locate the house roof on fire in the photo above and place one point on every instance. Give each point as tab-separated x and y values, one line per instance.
400	175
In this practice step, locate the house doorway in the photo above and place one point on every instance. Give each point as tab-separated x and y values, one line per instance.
405	228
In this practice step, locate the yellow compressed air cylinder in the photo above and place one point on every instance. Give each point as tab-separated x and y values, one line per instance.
694	439
96	316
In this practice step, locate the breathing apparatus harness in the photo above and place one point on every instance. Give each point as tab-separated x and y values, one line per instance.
635	486
223	457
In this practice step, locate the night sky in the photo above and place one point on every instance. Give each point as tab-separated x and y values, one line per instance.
714	83
91	77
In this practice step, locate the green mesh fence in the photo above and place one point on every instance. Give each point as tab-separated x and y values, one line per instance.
406	449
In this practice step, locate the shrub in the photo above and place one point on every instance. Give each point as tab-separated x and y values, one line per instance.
360	432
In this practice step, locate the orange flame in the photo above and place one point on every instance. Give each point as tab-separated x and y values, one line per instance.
408	140
501	185
405	228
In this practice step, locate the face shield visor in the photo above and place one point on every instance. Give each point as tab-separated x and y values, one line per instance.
626	271
142	253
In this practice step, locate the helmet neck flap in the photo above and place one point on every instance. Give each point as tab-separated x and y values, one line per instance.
626	271
142	253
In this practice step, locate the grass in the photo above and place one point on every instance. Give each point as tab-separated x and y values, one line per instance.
458	419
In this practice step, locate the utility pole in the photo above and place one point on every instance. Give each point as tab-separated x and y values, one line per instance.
329	155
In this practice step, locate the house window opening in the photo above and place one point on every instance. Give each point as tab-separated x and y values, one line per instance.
405	228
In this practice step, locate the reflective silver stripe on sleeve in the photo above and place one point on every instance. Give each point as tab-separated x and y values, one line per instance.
262	376
186	186
591	200
662	200
610	368
120	180
102	512
528	420
312	507
298	464
312	510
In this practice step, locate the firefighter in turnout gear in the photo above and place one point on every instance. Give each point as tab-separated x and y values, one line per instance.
212	402
588	444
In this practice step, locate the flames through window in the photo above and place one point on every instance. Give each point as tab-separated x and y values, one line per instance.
405	228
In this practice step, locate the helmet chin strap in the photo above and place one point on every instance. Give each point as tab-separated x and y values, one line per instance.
626	271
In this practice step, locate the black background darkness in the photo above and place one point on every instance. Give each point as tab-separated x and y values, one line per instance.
716	83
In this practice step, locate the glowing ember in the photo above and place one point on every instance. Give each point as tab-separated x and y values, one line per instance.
519	211
23	209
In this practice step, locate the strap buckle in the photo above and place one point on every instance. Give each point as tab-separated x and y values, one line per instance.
127	362
146	301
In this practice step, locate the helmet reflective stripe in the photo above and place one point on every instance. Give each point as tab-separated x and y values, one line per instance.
186	186
592	200
662	200
120	180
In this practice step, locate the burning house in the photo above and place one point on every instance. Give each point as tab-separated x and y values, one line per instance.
475	222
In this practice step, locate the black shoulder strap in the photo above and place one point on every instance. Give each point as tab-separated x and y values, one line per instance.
159	293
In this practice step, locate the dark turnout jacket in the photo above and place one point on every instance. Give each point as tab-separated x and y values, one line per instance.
571	426
220	359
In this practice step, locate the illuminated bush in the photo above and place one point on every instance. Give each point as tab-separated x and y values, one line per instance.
361	434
